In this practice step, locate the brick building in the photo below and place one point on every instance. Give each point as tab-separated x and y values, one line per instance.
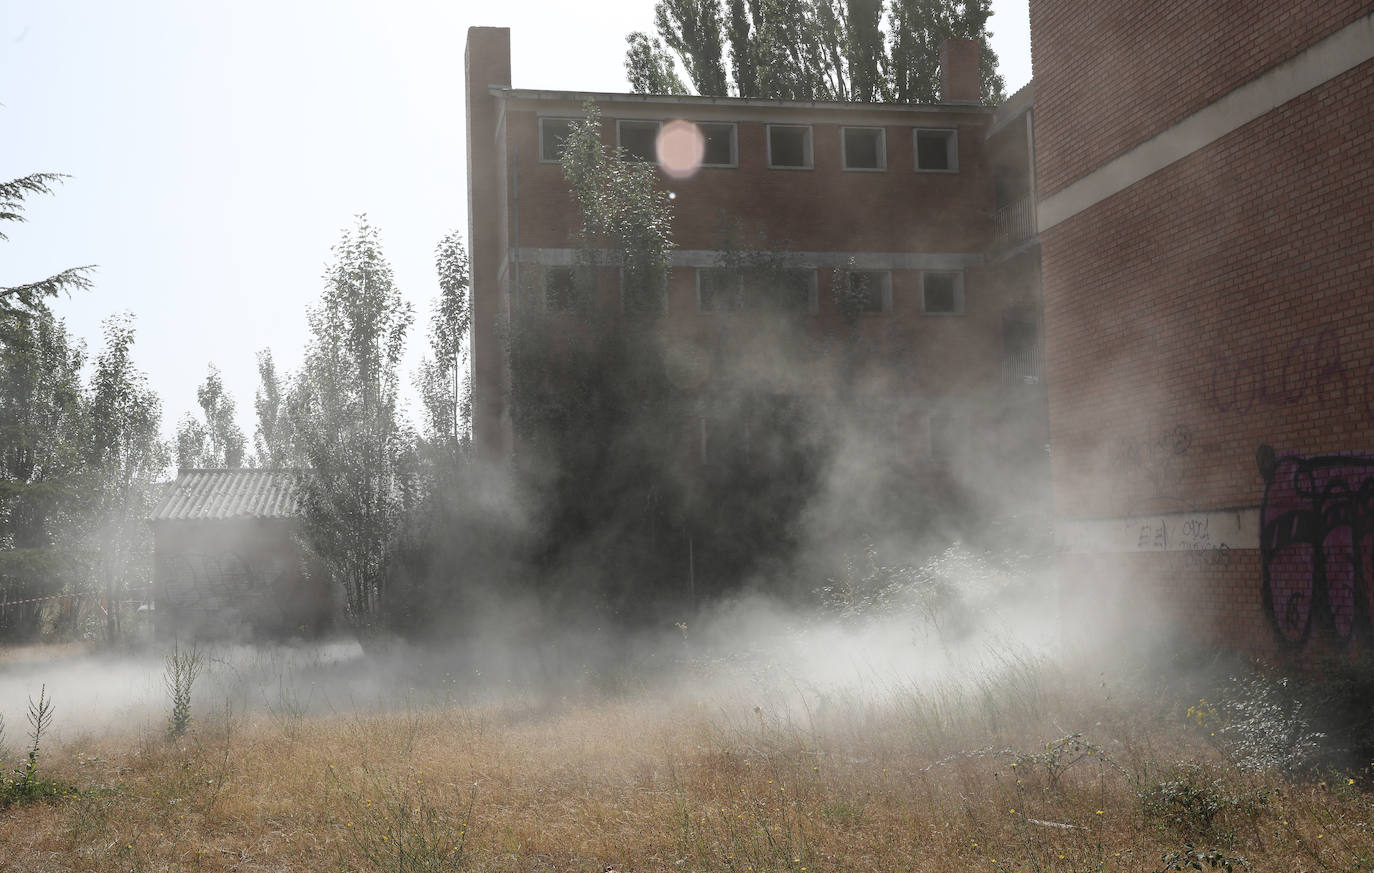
1205	179
925	207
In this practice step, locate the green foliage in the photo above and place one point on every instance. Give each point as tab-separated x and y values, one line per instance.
1193	798
28	785
811	49
361	476
182	668
1192	858
30	297
274	441
444	389
649	67
124	458
216	441
1265	726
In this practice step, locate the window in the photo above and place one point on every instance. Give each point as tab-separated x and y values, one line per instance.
864	148
552	133
717	289
790	290
936	151
942	293
873	289
944	436
720	142
789	146
561	293
638	139
636	296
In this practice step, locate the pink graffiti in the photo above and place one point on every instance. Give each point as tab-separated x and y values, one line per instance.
1317	544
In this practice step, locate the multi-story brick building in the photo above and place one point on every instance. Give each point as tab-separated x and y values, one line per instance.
1206	214
924	209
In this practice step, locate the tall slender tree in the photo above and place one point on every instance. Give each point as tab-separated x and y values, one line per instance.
124	457
274	441
216	441
812	49
442	382
360	456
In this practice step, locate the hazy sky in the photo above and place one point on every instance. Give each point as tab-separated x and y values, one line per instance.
218	149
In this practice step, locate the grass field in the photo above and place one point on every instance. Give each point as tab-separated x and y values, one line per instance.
1024	765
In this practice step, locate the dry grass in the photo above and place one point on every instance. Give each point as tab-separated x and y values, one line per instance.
956	777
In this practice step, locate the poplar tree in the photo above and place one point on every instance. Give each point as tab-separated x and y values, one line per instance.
360	476
216	441
810	49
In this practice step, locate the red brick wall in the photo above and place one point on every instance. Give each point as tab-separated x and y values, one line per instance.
821	209
1111	73
1229	294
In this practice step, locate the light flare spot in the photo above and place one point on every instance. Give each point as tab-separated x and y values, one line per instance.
680	148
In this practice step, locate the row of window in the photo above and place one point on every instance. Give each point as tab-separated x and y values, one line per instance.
789	145
721	435
793	289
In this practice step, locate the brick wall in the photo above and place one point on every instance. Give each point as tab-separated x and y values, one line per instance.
1111	73
820	209
1229	293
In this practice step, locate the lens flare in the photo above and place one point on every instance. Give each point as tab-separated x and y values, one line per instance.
680	149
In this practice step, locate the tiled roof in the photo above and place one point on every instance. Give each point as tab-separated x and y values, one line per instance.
221	494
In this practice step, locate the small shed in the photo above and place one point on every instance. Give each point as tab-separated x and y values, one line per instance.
227	560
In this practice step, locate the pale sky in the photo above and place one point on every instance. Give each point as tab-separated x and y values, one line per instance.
218	149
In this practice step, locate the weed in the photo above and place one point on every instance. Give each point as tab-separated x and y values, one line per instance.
400	828
1265	727
183	666
29	786
1058	757
1190	858
1193	799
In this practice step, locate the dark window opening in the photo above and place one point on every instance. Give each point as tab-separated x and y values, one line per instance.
863	148
560	289
638	139
553	132
717	289
786	290
789	146
870	288
940	294
720	145
935	150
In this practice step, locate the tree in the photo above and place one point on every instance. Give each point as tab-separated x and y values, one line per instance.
360	477
30	296
274	438
649	67
41	415
217	441
123	458
812	49
443	389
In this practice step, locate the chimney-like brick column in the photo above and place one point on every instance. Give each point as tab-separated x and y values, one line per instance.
959	79
486	63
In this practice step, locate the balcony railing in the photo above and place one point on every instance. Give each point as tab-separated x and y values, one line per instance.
1015	222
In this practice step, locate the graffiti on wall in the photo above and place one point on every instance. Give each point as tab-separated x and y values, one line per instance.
1310	369
1317	543
1159	457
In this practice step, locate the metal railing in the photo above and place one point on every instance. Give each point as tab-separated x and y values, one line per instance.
1014	222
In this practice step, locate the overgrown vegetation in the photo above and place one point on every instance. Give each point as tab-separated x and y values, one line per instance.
737	767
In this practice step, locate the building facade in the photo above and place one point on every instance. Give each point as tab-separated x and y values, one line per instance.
926	208
227	562
1205	180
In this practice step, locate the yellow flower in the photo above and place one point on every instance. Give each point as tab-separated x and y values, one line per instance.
1099	812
